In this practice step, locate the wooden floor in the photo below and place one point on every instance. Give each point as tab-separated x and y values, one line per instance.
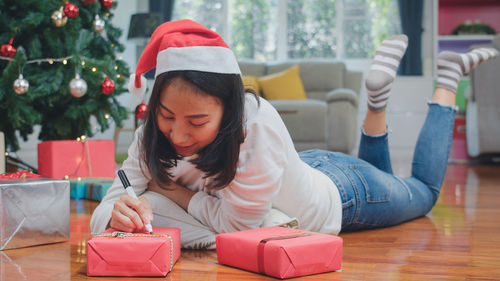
458	240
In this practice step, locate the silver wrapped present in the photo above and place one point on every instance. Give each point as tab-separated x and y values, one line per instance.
33	212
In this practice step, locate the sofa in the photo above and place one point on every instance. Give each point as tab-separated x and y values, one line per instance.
328	118
483	107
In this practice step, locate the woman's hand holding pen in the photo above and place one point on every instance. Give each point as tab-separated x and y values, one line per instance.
131	214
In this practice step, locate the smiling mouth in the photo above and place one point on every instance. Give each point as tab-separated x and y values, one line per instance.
183	149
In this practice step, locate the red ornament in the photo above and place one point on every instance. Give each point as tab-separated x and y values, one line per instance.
107	86
88	2
107	4
7	50
141	110
70	10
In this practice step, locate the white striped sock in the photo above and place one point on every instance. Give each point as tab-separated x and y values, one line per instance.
452	66
383	71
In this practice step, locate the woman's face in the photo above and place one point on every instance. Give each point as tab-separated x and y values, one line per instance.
189	118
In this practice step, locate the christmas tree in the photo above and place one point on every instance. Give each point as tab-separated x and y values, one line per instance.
58	68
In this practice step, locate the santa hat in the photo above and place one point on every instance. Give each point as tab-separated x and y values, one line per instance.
183	45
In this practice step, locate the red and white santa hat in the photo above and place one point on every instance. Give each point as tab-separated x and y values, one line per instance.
183	45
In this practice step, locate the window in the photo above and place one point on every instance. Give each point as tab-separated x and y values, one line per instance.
210	13
280	29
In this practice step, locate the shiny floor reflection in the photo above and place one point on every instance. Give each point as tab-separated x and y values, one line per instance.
458	240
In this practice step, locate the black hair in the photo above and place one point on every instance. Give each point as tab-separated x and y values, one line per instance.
219	158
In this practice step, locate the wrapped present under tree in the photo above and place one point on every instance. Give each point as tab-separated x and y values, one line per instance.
90	188
72	158
33	211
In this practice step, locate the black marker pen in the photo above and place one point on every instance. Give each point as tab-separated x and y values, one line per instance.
131	193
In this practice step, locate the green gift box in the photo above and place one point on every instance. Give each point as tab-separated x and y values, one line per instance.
96	190
77	189
90	188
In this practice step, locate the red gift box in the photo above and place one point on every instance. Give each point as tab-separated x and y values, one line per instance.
115	253
89	158
280	252
21	175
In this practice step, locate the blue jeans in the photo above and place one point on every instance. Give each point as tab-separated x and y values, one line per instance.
371	195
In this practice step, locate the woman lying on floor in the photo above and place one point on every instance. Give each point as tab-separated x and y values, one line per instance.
212	158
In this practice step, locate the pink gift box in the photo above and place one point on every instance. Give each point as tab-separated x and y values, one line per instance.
280	252
90	158
115	253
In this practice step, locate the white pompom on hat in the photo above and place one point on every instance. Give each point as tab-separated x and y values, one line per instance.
183	45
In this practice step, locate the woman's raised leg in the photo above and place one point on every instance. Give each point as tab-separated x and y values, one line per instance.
434	142
379	199
373	146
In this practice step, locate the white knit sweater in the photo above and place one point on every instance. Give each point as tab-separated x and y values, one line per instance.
270	175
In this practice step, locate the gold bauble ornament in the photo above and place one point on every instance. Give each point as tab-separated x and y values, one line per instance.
59	18
21	85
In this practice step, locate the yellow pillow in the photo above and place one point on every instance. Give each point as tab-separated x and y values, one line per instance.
250	82
285	85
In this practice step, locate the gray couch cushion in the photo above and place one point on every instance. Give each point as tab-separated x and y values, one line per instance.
304	119
317	95
253	68
316	74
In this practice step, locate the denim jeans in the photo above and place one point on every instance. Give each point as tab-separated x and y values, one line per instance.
371	195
